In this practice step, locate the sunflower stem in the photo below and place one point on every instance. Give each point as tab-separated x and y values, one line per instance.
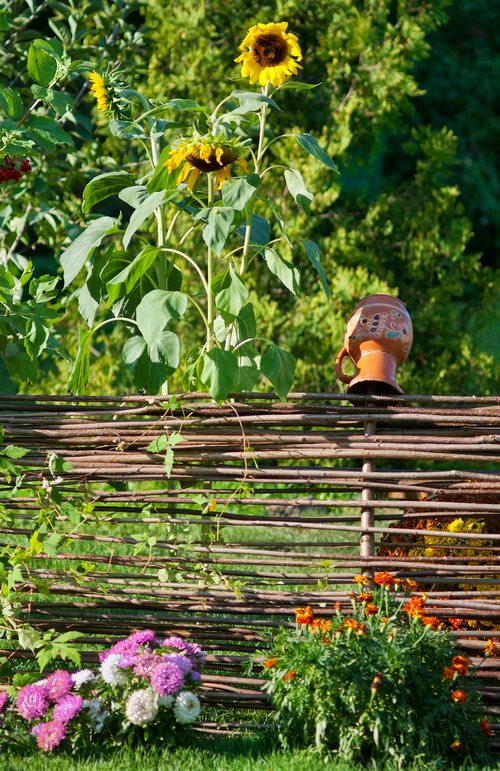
260	146
210	269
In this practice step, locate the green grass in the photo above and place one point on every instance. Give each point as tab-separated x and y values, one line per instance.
249	752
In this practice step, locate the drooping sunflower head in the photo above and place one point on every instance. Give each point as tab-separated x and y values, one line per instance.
204	154
270	54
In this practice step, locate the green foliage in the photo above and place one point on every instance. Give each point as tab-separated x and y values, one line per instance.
371	687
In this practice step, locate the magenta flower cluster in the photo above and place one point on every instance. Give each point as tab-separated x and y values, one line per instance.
52	700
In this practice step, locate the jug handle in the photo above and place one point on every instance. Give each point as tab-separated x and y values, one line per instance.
338	367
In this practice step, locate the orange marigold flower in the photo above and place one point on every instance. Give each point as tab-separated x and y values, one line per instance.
384	579
269	663
415	607
356	626
459	696
362	580
323	624
384	619
490	649
371	609
304	615
457	623
410	584
485	727
456	745
448	673
431	621
363	597
337	607
289	676
460	664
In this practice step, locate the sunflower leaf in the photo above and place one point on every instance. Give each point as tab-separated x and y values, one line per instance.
311	146
314	255
297	188
279	368
216	231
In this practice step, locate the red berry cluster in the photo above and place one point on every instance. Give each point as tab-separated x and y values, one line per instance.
13	167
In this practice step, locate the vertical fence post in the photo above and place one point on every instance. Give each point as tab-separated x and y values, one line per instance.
367	539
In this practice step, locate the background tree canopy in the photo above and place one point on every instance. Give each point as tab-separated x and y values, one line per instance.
405	108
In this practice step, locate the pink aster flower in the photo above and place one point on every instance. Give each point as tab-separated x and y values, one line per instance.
50	735
58	684
145	664
68	707
31	701
167	679
4	698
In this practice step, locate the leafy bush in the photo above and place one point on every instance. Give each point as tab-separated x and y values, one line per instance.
384	684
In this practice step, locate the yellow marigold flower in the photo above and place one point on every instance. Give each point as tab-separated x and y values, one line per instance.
490	649
361	580
202	155
456	745
410	585
99	90
270	54
323	624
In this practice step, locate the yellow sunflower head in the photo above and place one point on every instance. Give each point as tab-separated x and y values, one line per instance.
108	89
203	155
99	89
270	54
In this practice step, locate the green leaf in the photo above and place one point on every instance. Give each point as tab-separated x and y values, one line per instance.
297	85
141	214
131	274
298	189
11	103
311	146
216	231
152	365
314	255
219	372
287	273
42	65
60	101
251	101
14	452
279	368
104	186
126	129
47	132
156	309
246	324
260	230
75	256
79	375
134	195
87	304
237	193
247	376
183	104
158	445
231	299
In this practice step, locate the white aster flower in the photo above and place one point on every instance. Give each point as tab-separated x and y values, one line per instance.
141	706
187	707
81	677
111	672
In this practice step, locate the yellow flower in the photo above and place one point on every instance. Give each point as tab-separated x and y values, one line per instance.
270	54
202	155
99	90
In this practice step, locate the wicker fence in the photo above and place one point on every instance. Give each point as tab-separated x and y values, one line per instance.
267	506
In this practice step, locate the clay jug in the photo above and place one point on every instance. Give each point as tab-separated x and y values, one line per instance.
378	339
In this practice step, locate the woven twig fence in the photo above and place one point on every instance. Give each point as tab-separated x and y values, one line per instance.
268	506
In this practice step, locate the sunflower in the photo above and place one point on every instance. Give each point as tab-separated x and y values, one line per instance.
270	54
204	154
99	90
